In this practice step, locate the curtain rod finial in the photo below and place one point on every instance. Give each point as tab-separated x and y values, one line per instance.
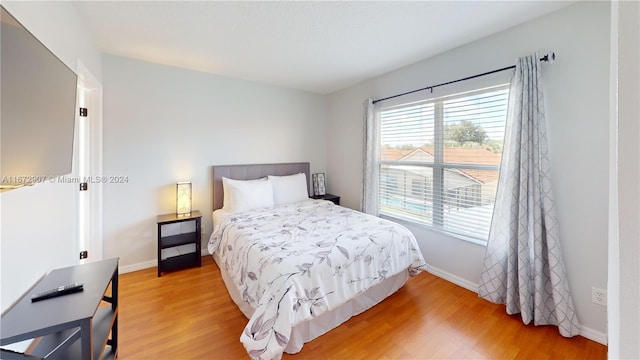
549	57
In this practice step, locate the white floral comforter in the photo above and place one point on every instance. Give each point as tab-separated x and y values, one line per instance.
294	262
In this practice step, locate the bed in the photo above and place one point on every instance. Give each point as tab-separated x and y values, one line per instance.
298	267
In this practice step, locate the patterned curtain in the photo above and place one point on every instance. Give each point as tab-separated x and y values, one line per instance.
371	157
523	266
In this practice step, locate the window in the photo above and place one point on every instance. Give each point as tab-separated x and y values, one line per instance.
440	160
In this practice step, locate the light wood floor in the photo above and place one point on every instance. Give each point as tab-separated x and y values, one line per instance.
188	315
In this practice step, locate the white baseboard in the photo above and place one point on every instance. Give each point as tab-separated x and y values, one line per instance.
139	266
148	264
594	335
453	278
586	332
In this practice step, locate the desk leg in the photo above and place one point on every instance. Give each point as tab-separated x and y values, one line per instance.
114	306
85	339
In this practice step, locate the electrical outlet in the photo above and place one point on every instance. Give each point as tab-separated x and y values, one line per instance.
84	254
599	296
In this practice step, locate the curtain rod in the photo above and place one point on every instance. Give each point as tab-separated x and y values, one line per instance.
550	57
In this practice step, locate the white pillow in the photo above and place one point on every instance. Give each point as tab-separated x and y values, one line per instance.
243	195
289	189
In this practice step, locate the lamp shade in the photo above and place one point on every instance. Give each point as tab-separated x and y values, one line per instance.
183	198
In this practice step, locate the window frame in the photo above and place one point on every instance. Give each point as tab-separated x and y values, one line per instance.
438	167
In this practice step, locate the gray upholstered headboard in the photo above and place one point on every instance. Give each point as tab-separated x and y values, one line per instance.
251	172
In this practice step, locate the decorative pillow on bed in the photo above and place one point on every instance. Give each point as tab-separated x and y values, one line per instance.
243	195
289	189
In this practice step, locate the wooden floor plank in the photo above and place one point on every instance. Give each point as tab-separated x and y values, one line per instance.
188	314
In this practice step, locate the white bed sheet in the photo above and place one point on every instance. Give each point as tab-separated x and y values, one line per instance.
309	261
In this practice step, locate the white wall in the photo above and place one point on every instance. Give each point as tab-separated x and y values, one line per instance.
164	125
38	223
577	105
624	266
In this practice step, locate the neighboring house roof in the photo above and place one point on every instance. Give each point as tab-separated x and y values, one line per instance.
392	154
453	155
476	156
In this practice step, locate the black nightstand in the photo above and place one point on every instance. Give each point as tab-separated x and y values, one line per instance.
173	244
333	198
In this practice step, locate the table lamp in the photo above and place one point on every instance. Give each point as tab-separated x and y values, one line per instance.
183	198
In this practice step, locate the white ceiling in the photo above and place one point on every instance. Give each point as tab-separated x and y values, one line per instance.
319	46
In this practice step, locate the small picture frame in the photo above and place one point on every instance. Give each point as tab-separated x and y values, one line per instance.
319	186
314	183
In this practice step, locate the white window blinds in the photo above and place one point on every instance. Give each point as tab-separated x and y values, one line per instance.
440	160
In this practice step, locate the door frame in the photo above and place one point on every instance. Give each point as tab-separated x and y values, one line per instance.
90	166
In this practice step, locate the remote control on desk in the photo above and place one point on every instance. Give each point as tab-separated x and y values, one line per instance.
61	290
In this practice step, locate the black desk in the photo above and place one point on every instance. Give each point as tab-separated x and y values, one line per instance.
61	321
